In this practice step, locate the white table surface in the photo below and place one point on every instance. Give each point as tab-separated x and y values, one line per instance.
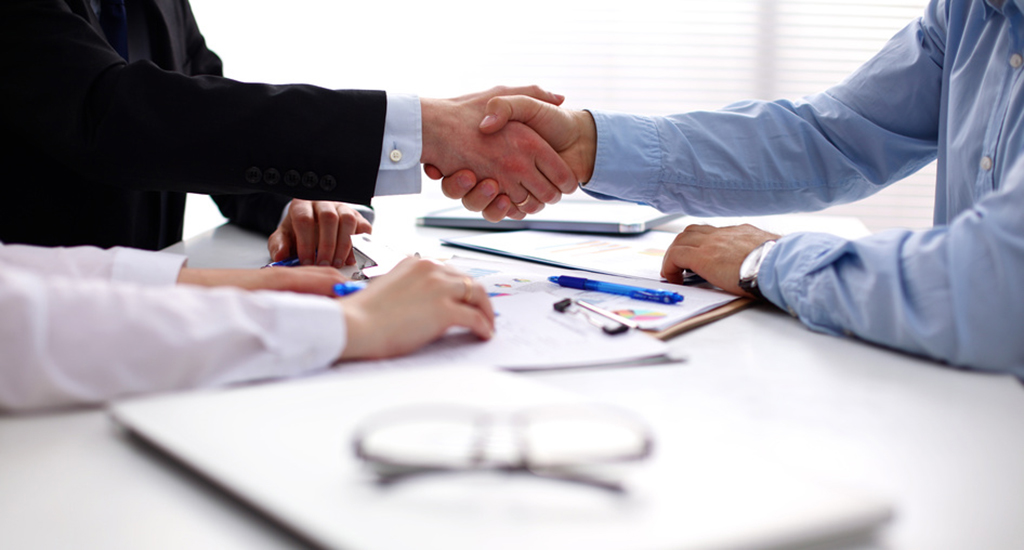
946	446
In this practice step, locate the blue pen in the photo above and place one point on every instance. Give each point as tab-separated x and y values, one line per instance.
648	294
344	289
290	262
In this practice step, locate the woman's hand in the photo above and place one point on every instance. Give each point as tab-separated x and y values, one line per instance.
414	304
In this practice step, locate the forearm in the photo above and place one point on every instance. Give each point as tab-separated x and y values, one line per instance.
758	157
69	342
88	262
947	293
142	127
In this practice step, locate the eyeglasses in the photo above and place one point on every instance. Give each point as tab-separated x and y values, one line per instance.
566	442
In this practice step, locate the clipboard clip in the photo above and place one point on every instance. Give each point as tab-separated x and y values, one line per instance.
373	259
620	323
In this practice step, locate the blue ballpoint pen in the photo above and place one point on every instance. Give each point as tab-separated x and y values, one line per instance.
344	289
638	293
290	262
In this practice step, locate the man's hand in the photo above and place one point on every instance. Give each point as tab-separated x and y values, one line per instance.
318	232
524	167
572	134
307	280
713	253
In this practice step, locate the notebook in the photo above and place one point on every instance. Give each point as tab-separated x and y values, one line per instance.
580	216
285	449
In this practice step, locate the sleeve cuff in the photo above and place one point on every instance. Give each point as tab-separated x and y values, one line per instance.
311	328
628	156
401	147
147	268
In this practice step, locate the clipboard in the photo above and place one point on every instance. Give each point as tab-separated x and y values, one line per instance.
719	312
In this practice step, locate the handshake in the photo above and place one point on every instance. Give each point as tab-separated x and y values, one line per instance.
508	151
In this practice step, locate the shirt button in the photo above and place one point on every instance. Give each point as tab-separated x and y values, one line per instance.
986	163
395	155
1016	61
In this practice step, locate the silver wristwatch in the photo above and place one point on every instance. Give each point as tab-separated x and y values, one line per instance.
751	266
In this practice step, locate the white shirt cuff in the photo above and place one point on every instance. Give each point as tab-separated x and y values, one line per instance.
145	267
401	148
311	332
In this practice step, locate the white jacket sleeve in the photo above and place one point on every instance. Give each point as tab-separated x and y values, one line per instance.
88	337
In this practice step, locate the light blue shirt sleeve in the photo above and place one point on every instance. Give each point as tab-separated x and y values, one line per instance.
758	157
401	148
953	292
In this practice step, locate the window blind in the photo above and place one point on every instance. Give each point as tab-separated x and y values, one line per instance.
642	56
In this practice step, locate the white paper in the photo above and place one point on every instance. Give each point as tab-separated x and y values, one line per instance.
505	278
636	256
531	335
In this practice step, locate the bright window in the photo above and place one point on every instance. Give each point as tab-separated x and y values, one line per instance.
642	56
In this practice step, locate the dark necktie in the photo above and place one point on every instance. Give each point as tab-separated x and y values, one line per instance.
114	21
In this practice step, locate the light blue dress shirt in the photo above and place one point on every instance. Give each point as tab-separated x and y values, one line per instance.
948	86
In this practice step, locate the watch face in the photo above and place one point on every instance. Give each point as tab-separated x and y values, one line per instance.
748	269
752	265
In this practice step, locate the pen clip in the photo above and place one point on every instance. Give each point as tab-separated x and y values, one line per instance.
621	324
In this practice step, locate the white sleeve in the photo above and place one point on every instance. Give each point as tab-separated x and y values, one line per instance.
69	341
401	148
89	262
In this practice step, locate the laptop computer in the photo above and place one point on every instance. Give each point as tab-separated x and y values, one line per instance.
286	450
578	216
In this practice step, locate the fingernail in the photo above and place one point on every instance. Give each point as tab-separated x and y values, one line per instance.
464	182
307	262
489	191
503	203
488	120
325	263
339	263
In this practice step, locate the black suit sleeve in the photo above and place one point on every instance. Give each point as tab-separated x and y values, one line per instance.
142	127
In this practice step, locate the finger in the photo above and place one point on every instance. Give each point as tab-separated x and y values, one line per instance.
473	318
280	242
543	190
479	299
343	245
500	110
499	208
458	184
480	196
557	171
304	226
327	222
529	205
432	172
536	92
515	213
674	263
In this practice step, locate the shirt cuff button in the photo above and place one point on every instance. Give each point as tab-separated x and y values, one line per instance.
395	155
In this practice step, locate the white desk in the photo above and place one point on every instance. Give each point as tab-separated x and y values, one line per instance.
947	446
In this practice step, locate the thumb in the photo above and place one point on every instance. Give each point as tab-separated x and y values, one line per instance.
500	110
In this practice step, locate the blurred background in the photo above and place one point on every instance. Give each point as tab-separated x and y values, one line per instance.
642	56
